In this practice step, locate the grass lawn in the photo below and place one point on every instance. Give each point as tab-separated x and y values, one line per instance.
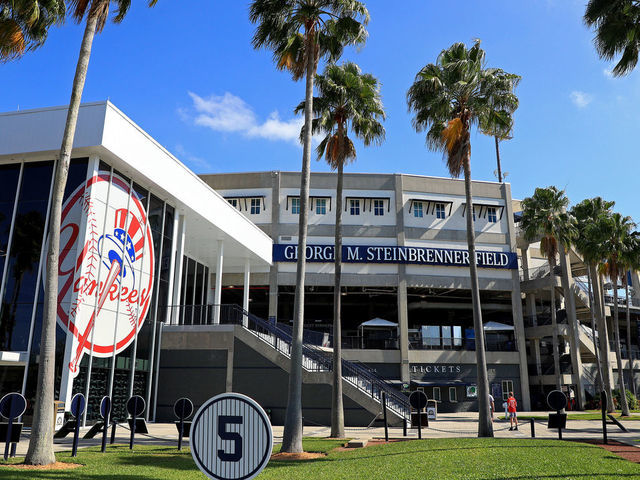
443	459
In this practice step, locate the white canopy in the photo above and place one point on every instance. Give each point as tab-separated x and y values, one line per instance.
497	327
379	322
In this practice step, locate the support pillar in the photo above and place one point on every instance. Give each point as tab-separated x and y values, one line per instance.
218	289
245	291
176	300
537	357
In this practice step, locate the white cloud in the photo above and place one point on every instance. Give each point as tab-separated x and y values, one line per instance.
608	73
231	114
580	99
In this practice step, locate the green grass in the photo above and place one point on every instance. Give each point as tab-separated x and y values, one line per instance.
468	458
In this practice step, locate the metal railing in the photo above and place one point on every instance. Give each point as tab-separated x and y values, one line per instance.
317	359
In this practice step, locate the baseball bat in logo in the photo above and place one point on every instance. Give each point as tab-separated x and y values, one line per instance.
105	279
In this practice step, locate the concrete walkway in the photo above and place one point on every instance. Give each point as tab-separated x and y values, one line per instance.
447	426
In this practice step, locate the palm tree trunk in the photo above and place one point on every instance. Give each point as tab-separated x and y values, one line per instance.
41	442
292	436
554	324
498	158
337	410
485	426
596	348
629	354
616	336
604	342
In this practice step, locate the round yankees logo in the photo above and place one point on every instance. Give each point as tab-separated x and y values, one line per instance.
105	279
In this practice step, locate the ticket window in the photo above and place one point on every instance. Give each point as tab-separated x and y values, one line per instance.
436	394
453	395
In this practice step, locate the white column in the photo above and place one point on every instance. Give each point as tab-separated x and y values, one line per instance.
218	291
245	291
176	301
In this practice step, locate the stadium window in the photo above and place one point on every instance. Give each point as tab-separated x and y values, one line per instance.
255	206
378	208
354	207
295	206
233	202
436	394
507	386
453	396
492	217
440	212
417	210
321	206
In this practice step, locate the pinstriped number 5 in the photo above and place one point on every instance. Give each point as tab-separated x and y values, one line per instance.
223	421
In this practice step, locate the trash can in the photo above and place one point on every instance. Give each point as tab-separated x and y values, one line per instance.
58	415
432	409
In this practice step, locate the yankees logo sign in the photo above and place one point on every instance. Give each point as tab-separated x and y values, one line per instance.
106	270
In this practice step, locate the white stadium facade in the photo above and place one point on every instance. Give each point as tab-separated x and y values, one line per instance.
173	284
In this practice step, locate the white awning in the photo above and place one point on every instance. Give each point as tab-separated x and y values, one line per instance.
379	322
497	327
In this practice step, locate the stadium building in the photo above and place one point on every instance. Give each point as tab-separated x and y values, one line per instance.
174	285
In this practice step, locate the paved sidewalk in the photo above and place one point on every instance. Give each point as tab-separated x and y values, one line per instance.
448	425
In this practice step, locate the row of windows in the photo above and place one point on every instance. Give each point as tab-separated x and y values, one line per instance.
507	386
355	208
441	213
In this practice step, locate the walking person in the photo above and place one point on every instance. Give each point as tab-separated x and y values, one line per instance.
512	405
492	405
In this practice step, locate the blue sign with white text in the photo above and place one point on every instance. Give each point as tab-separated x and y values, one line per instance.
395	255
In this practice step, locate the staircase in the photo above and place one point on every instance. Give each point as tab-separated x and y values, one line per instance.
319	359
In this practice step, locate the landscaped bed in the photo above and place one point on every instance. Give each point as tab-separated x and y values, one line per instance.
467	458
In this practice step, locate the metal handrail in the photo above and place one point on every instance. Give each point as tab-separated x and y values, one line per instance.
317	359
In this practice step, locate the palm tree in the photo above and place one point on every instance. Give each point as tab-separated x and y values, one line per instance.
348	99
544	217
448	98
617	29
300	33
629	260
615	244
499	125
41	442
588	243
24	25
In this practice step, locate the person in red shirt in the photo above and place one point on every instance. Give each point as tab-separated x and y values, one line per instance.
511	408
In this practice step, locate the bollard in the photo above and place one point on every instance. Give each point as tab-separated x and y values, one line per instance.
533	428
384	413
404	426
603	407
114	424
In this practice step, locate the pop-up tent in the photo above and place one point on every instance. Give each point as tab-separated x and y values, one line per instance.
375	324
497	327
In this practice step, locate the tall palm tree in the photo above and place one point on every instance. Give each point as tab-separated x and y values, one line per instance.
24	25
630	260
588	243
499	125
96	13
618	230
301	33
347	99
617	29
544	217
448	98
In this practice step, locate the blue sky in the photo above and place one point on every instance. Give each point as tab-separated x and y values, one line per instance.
190	77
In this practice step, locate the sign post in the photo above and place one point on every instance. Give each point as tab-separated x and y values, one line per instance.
603	407
183	410
418	400
231	437
78	405
557	401
105	413
135	407
12	406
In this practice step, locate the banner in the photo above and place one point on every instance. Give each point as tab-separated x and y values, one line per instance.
397	255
